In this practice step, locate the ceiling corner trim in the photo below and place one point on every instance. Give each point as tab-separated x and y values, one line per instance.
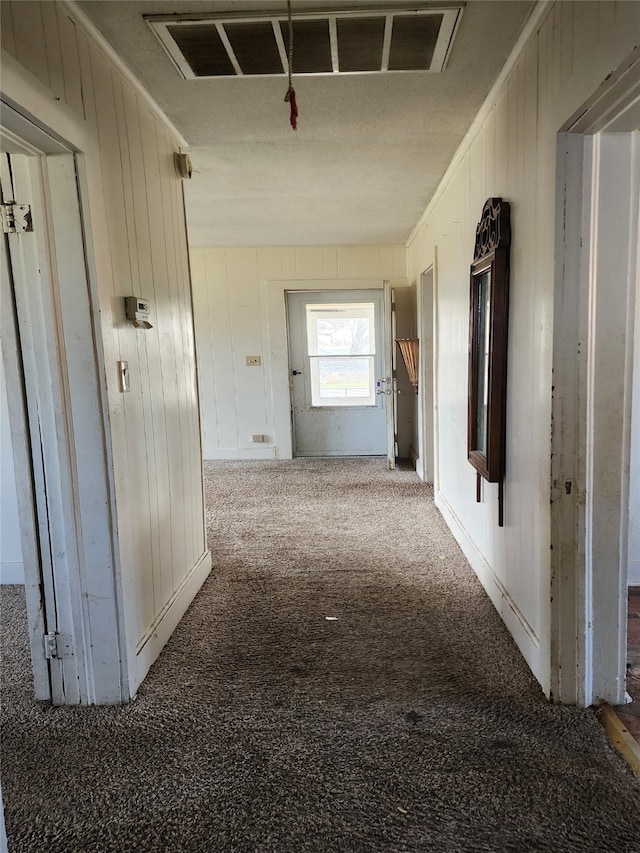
94	33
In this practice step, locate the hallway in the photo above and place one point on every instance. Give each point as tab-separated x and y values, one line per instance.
341	683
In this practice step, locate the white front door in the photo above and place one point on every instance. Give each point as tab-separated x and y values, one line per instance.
336	355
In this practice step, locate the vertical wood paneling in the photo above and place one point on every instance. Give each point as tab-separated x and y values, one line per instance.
117	182
52	49
573	50
85	75
344	262
203	331
6	28
194	481
166	402
28	30
181	453
224	383
385	259
149	349
399	266
70	52
246	330
140	250
269	264
567	11
289	263
309	263
501	141
330	263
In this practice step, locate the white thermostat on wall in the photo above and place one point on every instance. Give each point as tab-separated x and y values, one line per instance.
138	311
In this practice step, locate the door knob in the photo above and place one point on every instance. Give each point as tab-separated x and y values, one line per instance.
296	372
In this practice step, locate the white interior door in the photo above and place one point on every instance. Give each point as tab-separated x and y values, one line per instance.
336	353
59	434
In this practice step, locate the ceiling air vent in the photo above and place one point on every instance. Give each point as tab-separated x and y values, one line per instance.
355	42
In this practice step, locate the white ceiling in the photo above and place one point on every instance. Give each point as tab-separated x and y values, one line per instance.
369	151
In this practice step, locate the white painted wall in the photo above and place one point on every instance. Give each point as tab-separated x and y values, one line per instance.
11	568
238	297
58	70
510	151
634	485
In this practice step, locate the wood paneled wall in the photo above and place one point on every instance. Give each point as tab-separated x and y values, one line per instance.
231	322
140	249
513	155
11	565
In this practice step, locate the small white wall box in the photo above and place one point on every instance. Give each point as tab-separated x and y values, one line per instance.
138	311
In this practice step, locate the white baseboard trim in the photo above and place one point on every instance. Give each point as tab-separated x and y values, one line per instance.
230	453
12	573
416	461
522	632
157	635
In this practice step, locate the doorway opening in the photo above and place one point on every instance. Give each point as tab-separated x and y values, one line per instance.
338	385
594	444
56	387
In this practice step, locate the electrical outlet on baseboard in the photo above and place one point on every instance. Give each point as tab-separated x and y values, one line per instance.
259	438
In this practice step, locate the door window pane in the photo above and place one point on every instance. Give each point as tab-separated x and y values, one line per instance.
341	329
341	348
342	381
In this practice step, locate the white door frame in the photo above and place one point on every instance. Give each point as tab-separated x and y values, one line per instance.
351	421
276	349
427	334
390	380
61	368
593	369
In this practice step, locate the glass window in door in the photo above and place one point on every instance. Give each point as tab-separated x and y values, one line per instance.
341	349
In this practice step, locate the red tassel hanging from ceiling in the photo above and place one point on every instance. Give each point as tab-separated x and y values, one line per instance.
290	97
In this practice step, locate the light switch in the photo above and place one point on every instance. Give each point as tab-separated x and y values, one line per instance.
123	376
252	360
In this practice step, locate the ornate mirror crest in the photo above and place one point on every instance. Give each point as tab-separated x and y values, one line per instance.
489	314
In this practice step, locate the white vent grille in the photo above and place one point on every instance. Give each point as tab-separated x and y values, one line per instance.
355	42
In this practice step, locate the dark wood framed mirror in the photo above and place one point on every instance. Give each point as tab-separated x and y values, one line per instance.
488	326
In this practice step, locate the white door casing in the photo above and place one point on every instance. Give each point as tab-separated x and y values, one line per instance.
57	359
328	420
426	375
390	383
598	190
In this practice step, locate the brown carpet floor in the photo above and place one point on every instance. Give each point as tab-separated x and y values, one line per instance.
406	722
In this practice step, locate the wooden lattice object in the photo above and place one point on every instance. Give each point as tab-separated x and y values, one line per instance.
409	348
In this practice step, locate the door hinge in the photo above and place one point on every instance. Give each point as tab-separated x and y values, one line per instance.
57	646
15	218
